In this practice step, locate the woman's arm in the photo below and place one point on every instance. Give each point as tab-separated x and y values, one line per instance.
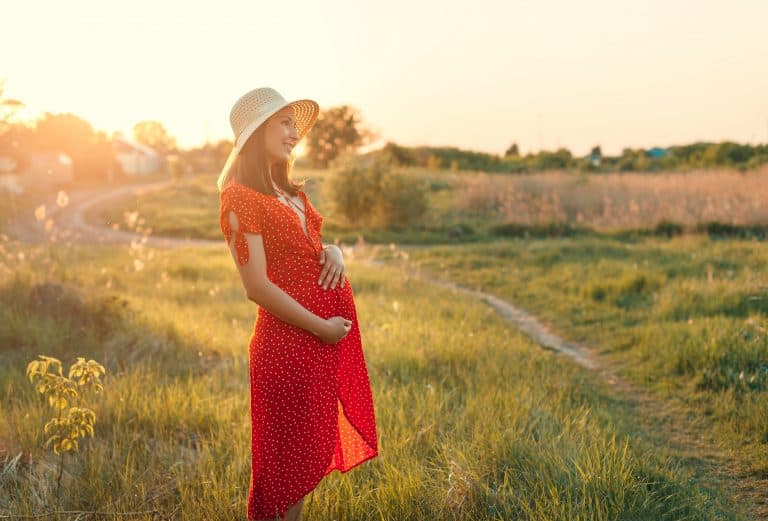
264	292
286	308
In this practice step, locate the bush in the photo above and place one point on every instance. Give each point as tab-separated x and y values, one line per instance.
373	195
668	229
549	229
402	199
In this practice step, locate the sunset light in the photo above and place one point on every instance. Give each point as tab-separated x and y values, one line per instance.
371	261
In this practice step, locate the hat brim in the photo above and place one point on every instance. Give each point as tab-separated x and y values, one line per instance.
306	112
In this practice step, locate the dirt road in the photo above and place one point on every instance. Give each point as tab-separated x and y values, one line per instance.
69	223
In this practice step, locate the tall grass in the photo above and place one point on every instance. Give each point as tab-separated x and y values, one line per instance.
687	317
618	200
474	421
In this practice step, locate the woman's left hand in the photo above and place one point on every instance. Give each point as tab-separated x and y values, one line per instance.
332	260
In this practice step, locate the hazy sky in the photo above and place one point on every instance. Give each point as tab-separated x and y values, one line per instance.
478	75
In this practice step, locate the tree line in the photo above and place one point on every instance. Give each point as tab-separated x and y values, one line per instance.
726	154
338	132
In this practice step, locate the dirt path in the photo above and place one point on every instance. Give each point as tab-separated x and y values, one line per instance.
665	424
70	224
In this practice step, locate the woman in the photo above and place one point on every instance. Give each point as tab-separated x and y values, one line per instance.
311	401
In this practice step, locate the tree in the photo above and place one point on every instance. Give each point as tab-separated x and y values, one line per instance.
90	150
512	151
335	132
153	134
12	133
8	109
63	132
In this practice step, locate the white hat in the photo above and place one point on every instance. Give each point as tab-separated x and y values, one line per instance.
254	107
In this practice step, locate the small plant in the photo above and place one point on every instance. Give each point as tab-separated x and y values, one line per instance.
66	393
136	223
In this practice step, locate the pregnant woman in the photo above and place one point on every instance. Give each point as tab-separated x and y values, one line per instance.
311	401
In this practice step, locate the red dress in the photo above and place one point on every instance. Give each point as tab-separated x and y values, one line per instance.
311	402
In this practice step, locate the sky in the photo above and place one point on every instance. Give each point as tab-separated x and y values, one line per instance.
478	75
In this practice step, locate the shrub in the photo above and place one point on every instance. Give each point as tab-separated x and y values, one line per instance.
373	194
668	229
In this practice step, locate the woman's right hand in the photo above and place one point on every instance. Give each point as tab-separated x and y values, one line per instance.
335	329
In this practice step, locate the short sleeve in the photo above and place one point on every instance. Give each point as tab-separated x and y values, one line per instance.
249	217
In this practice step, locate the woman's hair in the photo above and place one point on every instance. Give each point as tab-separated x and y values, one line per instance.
251	167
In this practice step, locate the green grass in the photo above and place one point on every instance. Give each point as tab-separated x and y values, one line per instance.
652	309
474	420
193	212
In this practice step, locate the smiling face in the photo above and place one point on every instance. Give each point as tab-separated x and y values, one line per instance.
280	135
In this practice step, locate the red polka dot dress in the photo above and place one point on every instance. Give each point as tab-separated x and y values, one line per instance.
311	402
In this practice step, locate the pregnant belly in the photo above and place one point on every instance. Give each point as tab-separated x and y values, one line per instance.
325	303
299	280
322	302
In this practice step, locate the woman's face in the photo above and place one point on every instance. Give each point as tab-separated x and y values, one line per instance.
281	135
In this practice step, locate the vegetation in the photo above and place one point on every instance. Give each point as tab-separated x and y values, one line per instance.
479	207
153	134
336	132
475	421
686	317
339	132
663	274
66	392
376	195
726	154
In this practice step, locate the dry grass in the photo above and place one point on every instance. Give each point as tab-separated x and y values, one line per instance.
628	200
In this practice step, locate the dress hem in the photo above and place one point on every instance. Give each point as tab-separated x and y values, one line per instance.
357	429
313	487
329	472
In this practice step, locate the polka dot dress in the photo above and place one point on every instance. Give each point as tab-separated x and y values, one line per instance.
311	402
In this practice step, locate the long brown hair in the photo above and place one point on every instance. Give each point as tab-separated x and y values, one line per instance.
251	167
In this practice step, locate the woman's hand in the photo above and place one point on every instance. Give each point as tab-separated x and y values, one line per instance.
332	260
335	329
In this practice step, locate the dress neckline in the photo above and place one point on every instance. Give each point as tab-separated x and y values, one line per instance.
237	183
302	196
296	215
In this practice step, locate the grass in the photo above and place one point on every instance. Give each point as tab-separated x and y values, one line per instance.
685	317
474	421
476	207
194	213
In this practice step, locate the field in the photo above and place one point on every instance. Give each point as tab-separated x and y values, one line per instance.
476	420
479	207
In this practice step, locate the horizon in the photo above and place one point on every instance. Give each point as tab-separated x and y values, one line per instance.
570	76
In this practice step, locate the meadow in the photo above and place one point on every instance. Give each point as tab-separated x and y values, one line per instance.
471	206
475	420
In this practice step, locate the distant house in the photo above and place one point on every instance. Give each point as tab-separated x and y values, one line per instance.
656	152
136	158
44	169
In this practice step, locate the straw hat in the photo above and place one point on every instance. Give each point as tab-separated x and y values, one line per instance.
254	107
